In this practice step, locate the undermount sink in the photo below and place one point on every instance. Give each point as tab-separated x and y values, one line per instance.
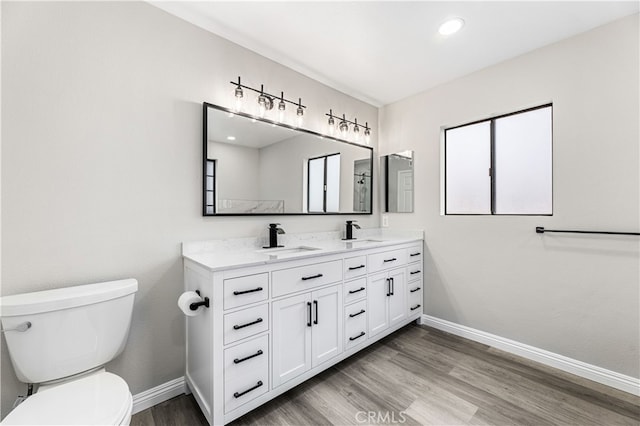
362	242
283	251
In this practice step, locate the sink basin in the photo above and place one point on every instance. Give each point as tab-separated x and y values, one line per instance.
362	242
285	251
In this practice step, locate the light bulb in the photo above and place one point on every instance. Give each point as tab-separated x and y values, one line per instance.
300	112
262	105
356	130
281	107
367	134
238	95
332	123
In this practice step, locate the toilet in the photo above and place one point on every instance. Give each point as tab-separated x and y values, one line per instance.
60	340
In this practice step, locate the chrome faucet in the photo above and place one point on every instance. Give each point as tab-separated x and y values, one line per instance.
274	230
350	226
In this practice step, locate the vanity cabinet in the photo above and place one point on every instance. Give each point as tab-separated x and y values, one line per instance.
387	300
271	326
307	331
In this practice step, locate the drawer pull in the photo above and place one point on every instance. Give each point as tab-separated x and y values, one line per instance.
391	287
415	307
356	291
238	327
357	337
357	313
393	259
311	277
414	290
239	394
239	360
237	293
353	268
415	272
415	254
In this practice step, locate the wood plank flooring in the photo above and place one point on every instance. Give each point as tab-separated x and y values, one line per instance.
423	376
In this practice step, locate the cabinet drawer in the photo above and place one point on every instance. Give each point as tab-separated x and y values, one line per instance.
245	366
415	299
355	290
305	277
415	272
415	253
244	290
387	259
355	324
245	323
355	267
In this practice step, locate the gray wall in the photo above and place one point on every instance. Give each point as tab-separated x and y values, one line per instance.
574	295
101	159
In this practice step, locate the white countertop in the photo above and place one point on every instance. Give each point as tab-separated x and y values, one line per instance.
242	252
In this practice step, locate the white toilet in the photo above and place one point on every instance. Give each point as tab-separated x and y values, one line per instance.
61	339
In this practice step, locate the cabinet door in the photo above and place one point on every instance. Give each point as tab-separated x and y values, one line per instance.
377	295
291	337
398	298
326	332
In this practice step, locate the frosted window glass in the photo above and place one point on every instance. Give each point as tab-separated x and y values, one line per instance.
333	183
468	159
209	168
316	185
209	183
523	163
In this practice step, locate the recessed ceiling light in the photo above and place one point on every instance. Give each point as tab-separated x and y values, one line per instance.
451	26
231	138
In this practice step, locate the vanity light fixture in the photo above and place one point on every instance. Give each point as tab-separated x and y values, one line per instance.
299	112
451	26
332	123
343	127
266	101
238	94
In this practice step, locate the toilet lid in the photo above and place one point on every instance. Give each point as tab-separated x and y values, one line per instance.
98	399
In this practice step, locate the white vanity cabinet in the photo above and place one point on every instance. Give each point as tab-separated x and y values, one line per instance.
270	326
307	331
387	296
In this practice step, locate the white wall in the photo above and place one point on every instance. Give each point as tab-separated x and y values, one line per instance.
102	154
574	295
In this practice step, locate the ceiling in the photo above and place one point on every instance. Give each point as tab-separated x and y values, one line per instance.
381	52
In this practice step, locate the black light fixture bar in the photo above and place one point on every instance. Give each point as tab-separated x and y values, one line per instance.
262	92
355	123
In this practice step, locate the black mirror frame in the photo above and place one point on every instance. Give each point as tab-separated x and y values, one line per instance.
205	109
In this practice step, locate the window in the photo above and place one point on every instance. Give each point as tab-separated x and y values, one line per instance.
501	165
324	184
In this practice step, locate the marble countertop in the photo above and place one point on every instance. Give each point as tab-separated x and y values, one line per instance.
242	252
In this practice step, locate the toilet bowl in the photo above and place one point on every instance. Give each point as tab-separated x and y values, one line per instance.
61	339
100	398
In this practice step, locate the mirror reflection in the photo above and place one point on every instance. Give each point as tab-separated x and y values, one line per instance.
396	171
258	167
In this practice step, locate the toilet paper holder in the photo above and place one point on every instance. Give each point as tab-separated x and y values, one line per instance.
195	305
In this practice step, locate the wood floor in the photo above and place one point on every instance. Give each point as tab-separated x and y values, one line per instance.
422	376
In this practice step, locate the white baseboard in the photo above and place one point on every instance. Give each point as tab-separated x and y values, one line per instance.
597	374
161	393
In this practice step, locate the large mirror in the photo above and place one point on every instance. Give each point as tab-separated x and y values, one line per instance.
255	166
396	172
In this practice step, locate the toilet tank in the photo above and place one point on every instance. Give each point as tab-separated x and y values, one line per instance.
73	329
